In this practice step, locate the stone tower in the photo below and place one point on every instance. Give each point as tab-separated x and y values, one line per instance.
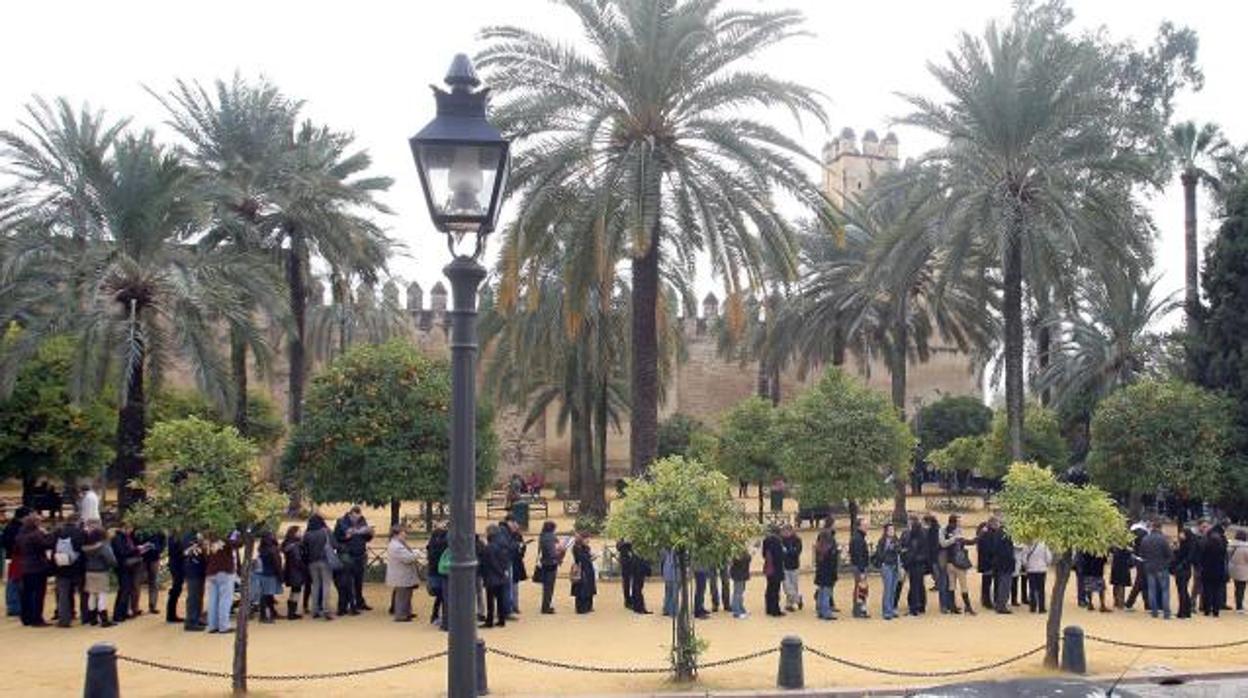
849	170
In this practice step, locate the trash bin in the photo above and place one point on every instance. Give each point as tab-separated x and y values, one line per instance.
520	513
777	499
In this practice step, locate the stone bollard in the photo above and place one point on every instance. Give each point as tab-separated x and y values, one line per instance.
1074	660
101	681
483	685
790	675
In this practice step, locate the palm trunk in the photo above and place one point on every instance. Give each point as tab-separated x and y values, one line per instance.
1013	313
131	424
576	434
244	607
838	347
598	497
774	393
238	371
1192	255
643	430
297	287
897	376
1053	629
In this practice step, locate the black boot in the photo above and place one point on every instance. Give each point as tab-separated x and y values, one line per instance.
104	622
966	599
291	607
92	618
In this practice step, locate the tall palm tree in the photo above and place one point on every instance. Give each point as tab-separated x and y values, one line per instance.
1032	164
236	137
1197	150
144	294
650	114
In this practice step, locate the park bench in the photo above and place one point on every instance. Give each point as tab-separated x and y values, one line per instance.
954	503
498	501
776	518
571	507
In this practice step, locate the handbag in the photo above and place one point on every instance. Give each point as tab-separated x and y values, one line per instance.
539	575
444	563
331	556
961	559
575	575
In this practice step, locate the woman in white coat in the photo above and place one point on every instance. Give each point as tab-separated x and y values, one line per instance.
401	573
1036	561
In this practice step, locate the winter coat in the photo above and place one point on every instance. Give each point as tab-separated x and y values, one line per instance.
295	566
314	541
220	557
97	554
1213	558
1091	566
490	565
888	552
1036	558
1237	560
518	548
401	563
587	585
859	552
739	570
352	538
1120	567
155	545
915	548
1001	552
195	565
1156	552
773	557
548	553
983	549
433	552
827	558
33	546
74	534
792	551
270	560
935	552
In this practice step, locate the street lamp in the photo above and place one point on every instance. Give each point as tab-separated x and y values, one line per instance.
462	160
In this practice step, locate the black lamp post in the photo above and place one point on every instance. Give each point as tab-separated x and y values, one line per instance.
462	160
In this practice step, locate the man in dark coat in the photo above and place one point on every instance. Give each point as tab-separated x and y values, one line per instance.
177	576
1001	556
860	559
33	547
1139	586
549	555
353	533
983	564
195	573
627	566
915	554
773	571
13	583
69	577
491	566
1213	573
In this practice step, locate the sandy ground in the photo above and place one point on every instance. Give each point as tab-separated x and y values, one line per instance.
50	662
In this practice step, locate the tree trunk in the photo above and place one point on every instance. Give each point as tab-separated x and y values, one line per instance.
853	514
598	497
28	482
774	393
686	660
296	349
1135	504
838	347
576	467
897	376
643	439
395	504
1053	629
593	498
238	371
131	427
1192	254
244	608
760	500
429	516
1012	311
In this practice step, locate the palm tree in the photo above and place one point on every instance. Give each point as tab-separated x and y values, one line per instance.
143	293
650	115
236	137
1198	151
1032	165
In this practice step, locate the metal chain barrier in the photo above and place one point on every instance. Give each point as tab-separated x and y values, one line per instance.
625	670
282	677
922	674
739	658
1170	648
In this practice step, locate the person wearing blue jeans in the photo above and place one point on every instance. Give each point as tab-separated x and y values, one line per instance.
1159	593
668	567
888	558
1156	555
220	597
739	571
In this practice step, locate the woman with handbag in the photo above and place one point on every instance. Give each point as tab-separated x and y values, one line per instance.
401	572
549	556
959	561
439	567
584	581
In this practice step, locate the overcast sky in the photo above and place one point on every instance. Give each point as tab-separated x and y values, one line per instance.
365	67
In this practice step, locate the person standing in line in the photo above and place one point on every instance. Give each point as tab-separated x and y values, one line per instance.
435	551
641	570
1157	556
98	561
13	575
401	574
1092	572
506	552
888	559
316	540
792	565
294	572
860	559
983	565
719	587
129	560
1198	556
1018	584
176	563
699	591
773	571
152	545
518	574
739	570
352	533
1140	584
266	577
1184	560
584	579
667	566
195	571
939	561
549	555
1213	572
827	559
34	545
1036	560
958	561
88	504
1001	555
627	563
68	569
1120	574
915	555
220	571
1237	567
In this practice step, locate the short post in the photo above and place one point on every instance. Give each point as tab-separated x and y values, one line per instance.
790	674
483	685
101	681
1074	659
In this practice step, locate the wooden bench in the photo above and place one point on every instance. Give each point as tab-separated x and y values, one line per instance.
954	503
571	507
776	518
499	502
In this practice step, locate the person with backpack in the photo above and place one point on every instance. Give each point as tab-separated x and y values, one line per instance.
97	561
67	559
439	557
318	550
